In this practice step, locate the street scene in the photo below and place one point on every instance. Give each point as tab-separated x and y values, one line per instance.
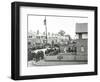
57	41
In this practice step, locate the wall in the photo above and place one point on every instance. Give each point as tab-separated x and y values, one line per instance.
82	43
5	42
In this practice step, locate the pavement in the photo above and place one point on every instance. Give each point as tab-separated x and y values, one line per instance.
52	63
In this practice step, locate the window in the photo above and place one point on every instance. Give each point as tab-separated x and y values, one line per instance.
77	36
38	37
84	36
30	36
29	43
82	49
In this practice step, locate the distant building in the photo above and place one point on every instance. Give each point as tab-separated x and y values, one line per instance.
39	39
82	38
31	39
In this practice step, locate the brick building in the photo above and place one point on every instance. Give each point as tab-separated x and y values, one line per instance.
82	38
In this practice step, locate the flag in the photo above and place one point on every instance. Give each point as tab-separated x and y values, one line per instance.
45	21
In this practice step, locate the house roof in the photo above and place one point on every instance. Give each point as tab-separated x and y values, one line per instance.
81	27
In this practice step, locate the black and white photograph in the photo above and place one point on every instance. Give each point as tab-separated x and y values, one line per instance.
57	40
53	40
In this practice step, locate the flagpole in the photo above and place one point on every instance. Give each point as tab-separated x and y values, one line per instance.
45	28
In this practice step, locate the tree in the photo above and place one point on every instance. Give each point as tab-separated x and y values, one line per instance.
52	43
37	31
61	32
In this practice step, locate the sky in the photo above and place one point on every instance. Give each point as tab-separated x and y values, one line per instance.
54	24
